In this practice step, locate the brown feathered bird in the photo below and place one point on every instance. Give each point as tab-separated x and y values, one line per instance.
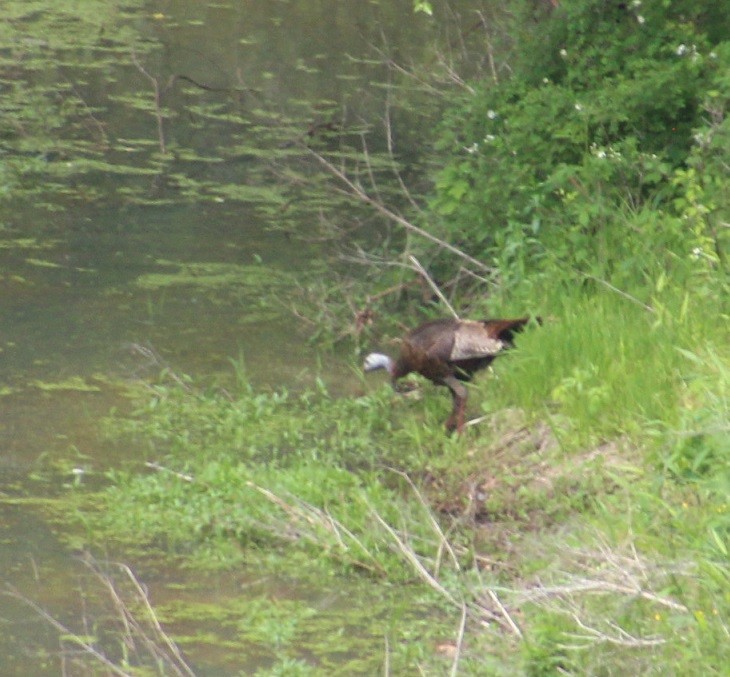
447	352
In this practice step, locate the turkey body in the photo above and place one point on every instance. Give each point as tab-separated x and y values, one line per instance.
449	352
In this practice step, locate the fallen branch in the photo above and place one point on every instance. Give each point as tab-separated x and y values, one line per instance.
459	642
301	511
411	556
443	541
621	638
432	284
161	468
158	643
139	629
357	191
68	634
158	101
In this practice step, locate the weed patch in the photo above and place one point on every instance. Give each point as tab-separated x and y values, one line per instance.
582	522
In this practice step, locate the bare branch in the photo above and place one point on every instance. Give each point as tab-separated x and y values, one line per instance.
618	291
432	284
444	543
504	612
158	643
459	642
357	191
67	632
410	555
621	638
158	100
300	510
161	468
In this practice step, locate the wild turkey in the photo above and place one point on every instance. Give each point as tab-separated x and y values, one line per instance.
447	352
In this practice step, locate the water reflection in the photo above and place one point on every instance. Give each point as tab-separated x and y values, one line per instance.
98	209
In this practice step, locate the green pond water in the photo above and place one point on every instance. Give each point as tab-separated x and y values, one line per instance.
141	228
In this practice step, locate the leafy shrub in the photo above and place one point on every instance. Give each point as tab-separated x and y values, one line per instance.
598	157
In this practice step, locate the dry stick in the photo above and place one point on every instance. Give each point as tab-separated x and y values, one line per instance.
391	155
390	63
459	642
594	586
152	616
490	49
432	284
151	355
620	292
99	125
131	623
317	517
431	580
386	662
158	106
444	543
471	273
477	420
622	638
420	569
378	206
161	468
67	632
514	627
390	290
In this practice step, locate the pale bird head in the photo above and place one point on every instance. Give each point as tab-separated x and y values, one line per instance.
377	361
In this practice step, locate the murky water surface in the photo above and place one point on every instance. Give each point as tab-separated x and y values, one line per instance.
138	138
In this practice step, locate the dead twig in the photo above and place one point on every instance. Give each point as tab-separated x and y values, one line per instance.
158	643
357	191
618	291
161	468
505	614
67	633
459	642
443	541
139	627
301	511
158	101
432	284
621	638
411	556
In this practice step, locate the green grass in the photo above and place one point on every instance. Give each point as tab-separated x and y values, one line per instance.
591	501
603	366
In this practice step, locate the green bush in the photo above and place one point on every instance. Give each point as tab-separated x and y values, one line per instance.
601	155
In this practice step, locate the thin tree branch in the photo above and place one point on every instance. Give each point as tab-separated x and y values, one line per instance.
432	284
388	213
459	642
67	632
158	101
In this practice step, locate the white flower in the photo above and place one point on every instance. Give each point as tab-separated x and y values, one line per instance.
564	53
640	19
578	107
682	49
636	3
492	114
713	55
473	148
489	138
545	81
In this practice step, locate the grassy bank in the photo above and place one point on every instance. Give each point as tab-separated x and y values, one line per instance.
581	526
